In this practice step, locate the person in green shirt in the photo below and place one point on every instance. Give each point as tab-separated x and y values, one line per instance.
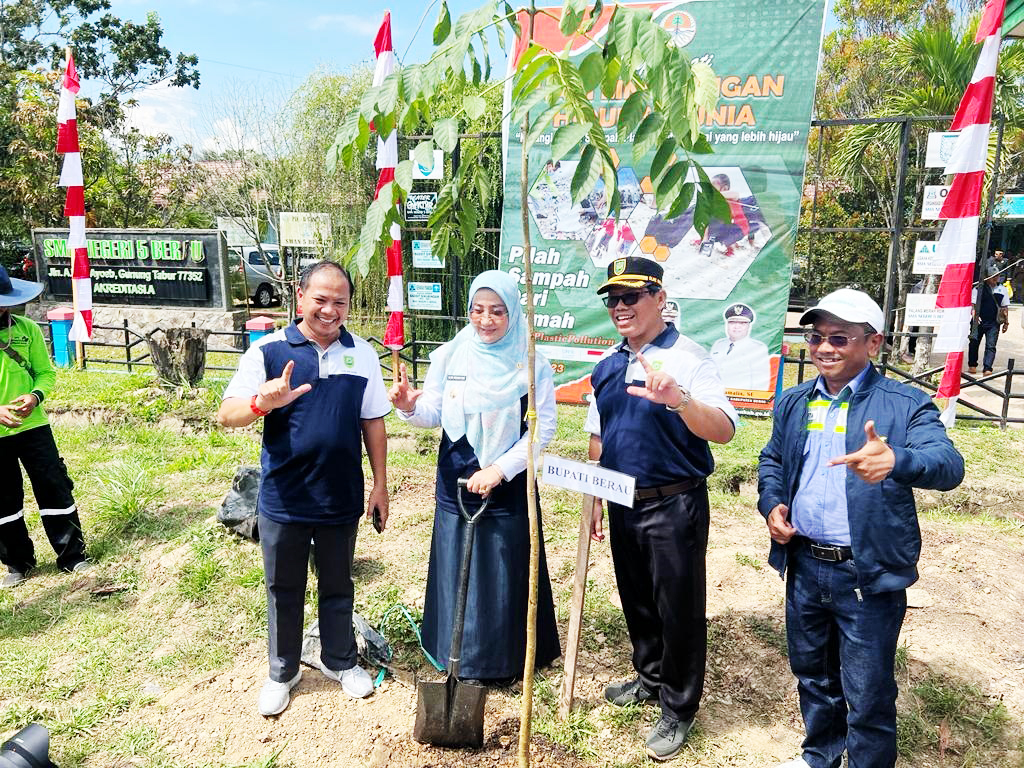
26	378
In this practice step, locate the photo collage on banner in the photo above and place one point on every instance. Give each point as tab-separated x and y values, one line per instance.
728	290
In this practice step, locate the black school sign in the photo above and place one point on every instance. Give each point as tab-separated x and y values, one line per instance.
148	267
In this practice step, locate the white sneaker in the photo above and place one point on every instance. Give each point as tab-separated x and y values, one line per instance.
355	681
274	696
796	762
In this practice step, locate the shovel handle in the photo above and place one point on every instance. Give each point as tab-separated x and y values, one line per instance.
463	483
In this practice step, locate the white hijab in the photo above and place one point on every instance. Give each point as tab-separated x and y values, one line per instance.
488	380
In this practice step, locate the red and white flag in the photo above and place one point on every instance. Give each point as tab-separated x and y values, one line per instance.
74	204
962	207
387	159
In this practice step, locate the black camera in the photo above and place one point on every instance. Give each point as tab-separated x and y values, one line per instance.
28	748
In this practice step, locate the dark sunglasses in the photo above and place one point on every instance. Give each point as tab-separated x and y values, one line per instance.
836	340
629	299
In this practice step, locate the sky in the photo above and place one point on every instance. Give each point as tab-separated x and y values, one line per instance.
273	46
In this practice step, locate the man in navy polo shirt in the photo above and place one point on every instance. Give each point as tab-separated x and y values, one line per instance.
319	389
836	483
657	402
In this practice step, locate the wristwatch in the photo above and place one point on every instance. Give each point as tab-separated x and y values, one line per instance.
682	403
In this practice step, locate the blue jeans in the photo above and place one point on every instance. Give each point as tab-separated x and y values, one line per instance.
842	649
991	334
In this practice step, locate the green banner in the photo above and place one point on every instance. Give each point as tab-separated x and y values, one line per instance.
764	54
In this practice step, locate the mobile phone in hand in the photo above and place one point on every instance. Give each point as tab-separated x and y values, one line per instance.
378	524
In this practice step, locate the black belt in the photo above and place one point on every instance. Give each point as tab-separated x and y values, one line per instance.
826	552
660	492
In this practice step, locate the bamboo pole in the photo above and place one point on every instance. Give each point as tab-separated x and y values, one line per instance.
579	592
526	712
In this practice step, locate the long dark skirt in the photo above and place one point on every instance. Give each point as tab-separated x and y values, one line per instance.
494	638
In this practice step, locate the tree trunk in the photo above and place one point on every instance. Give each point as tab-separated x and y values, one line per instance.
179	354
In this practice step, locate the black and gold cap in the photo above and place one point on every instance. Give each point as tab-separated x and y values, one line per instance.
633	272
740	312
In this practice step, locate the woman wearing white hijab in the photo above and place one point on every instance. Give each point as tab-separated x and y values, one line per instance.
476	391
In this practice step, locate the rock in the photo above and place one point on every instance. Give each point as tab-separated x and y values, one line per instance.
919	598
380	756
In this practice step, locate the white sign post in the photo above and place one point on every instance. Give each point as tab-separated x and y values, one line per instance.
926	258
424	296
237	231
305	230
593	481
934	195
434	171
921	311
940	148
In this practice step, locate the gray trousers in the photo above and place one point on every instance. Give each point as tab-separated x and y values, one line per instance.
285	557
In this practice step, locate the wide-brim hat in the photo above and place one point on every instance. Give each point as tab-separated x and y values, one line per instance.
15	292
850	306
633	272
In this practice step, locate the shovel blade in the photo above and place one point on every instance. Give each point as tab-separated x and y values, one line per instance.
450	713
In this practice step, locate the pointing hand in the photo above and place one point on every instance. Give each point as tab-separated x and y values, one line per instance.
873	462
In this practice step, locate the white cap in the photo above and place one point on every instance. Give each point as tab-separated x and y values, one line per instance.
850	306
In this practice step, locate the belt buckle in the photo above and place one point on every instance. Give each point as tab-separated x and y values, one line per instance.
828	554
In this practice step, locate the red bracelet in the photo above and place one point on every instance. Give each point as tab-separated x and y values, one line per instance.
255	408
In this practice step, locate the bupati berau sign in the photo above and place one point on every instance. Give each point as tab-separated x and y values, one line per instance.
764	55
152	267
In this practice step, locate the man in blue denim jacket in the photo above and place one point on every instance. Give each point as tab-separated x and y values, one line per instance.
836	487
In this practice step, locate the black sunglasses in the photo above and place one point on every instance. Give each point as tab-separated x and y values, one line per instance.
836	340
629	299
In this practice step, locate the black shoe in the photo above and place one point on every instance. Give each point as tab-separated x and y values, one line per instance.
667	737
629	692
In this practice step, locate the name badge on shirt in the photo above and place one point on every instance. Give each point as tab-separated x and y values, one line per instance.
452	377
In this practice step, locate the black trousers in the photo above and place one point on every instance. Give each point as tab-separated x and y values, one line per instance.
659	550
285	564
52	486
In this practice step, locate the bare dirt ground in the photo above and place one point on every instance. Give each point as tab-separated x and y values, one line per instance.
967	628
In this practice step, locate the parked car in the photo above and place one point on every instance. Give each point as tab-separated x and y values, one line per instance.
250	278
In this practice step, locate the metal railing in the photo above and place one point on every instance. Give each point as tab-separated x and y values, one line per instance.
975	412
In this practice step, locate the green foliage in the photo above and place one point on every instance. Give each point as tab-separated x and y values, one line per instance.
128	493
120	58
637	55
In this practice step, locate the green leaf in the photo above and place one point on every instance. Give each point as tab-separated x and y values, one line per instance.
536	97
373	229
682	201
705	93
630	114
611	77
671	185
474	106
387	93
566	138
483	184
403	176
702	146
423	154
595	16
444	25
720	207
592	70
540	124
646	136
439	239
572	16
662	158
446	133
468	218
587	173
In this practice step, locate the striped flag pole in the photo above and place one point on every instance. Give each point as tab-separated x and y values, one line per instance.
962	208
74	205
387	159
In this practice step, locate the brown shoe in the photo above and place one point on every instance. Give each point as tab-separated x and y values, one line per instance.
972	369
986	372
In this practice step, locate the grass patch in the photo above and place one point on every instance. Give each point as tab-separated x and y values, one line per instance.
576	733
769	632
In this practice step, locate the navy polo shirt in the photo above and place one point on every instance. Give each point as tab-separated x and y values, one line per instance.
644	439
312	470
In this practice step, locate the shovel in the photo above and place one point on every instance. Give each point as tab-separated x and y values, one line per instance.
450	713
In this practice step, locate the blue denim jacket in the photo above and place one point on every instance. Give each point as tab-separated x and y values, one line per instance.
884	532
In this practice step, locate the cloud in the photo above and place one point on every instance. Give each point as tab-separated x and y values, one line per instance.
164	109
226	134
347	22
